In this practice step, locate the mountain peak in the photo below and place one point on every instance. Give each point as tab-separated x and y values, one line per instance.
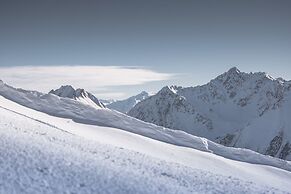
144	93
168	90
141	95
233	70
232	73
232	78
67	91
64	91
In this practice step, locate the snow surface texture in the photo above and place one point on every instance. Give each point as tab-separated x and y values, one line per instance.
47	154
237	109
83	113
79	95
125	105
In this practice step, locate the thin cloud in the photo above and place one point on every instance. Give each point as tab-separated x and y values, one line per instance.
92	78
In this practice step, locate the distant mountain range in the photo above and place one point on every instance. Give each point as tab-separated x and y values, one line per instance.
125	105
236	109
66	141
246	110
68	91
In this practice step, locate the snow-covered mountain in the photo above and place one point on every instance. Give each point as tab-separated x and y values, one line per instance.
245	110
125	105
107	101
79	95
84	114
52	144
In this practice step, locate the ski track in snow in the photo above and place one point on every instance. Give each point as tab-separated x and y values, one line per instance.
37	158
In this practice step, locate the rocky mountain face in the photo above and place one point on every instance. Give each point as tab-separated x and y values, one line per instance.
125	105
79	95
247	110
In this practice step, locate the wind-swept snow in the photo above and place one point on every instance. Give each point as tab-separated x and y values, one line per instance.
82	113
47	154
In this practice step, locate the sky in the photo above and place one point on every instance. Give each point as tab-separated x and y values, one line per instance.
116	49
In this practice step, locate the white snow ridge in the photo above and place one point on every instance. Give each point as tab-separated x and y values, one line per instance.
62	142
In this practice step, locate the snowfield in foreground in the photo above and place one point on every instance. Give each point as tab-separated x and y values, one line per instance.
46	154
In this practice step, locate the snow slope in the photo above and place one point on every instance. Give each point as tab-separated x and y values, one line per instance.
125	105
86	114
46	154
79	95
237	109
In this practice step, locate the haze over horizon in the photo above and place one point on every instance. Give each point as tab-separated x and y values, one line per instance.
165	42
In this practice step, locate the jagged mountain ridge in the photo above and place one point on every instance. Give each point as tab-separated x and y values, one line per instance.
42	139
83	115
78	94
125	105
248	110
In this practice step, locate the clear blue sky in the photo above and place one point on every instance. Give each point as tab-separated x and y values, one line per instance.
195	40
